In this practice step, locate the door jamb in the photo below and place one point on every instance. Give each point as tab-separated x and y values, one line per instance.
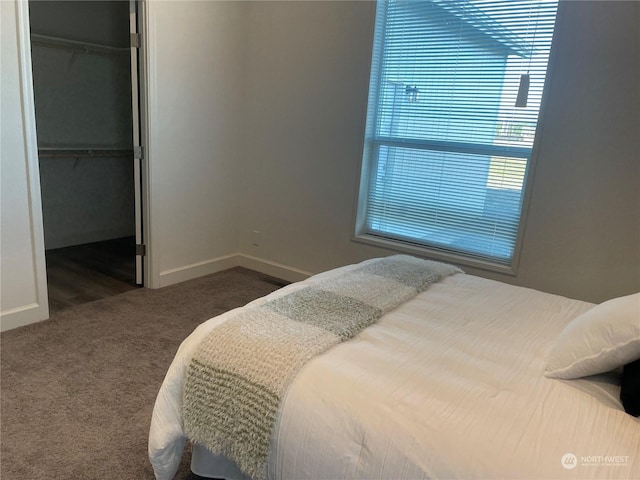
31	157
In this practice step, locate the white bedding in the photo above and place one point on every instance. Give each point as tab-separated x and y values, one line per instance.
448	385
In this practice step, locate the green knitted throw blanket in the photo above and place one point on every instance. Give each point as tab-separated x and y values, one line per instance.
242	368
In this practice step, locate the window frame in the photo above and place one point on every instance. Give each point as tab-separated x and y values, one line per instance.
368	161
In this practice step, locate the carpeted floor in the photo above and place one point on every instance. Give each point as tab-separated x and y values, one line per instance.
77	391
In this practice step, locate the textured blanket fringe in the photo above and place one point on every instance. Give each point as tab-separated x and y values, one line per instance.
241	370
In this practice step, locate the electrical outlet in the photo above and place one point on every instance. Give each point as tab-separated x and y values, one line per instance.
255	238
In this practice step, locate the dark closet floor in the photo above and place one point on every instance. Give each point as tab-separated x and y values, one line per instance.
89	272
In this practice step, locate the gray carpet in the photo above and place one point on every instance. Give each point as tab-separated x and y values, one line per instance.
77	391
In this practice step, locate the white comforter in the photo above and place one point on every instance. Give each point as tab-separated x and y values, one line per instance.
448	385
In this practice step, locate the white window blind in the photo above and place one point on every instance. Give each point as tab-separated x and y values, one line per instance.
454	99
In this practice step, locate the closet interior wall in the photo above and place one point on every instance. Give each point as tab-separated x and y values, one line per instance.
82	87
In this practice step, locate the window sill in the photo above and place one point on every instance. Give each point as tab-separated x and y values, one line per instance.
435	254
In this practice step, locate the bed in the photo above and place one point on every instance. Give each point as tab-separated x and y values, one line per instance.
454	382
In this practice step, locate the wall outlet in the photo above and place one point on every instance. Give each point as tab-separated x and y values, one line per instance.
255	238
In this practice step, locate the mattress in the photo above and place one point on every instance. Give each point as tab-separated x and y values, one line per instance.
448	385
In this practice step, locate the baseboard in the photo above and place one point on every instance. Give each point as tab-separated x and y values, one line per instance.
213	265
198	269
274	269
20	316
32	313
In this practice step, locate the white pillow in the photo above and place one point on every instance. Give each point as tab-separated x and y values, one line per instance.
601	339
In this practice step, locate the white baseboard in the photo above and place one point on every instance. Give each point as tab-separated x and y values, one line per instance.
213	265
33	312
198	269
21	316
274	269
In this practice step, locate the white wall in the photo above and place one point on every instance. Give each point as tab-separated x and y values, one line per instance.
307	74
23	293
195	57
305	106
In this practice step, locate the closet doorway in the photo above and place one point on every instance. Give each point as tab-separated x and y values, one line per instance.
85	74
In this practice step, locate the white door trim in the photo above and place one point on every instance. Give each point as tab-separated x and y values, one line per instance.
32	165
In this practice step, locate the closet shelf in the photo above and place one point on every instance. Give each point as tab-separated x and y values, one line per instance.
84	152
76	46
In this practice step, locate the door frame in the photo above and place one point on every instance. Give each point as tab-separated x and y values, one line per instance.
40	309
139	139
31	148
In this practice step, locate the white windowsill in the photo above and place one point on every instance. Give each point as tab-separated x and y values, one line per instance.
435	254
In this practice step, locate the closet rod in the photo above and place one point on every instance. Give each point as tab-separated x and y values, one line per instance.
84	152
76	46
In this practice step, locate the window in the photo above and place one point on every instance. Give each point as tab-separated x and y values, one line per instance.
454	99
